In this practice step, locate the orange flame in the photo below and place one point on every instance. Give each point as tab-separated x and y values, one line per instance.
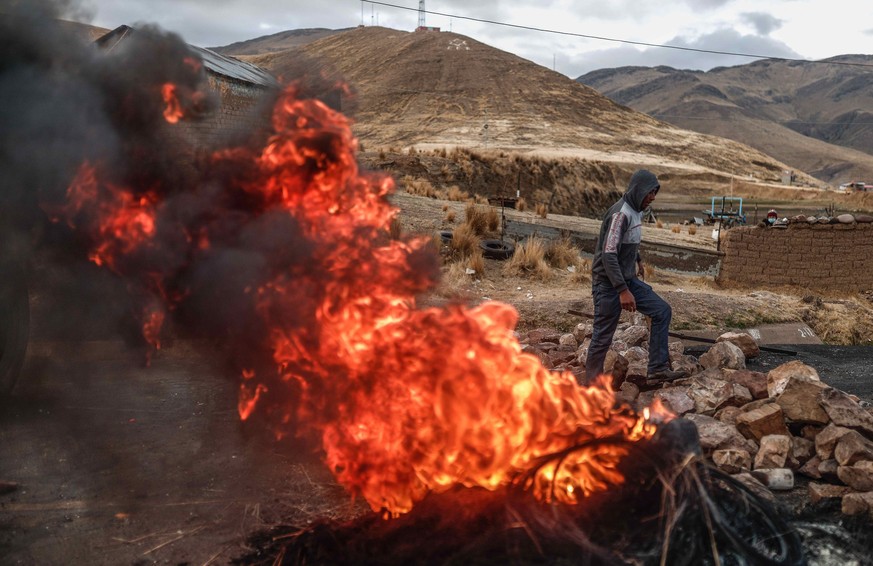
173	110
406	400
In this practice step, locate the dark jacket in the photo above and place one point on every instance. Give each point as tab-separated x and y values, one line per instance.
618	245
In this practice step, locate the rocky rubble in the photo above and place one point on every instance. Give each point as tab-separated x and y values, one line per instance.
764	428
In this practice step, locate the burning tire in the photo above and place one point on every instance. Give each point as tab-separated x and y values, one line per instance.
14	325
497	249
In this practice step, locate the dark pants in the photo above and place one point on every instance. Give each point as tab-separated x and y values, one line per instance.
607	311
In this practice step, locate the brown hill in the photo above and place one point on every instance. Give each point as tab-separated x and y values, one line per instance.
444	90
275	42
815	116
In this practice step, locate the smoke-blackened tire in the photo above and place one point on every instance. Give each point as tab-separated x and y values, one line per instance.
446	236
497	249
14	325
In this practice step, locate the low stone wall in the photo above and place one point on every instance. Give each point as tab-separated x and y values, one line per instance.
815	256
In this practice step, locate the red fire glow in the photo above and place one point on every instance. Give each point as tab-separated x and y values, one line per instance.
406	400
173	110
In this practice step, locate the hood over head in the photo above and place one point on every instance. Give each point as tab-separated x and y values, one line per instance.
641	184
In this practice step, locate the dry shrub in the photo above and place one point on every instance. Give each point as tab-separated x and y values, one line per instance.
676	229
465	242
450	215
692	229
446	171
476	262
844	324
562	253
659	224
476	218
456	194
480	199
442	152
492	219
521	204
421	187
542	210
529	260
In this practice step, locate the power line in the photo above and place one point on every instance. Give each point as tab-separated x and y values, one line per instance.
626	41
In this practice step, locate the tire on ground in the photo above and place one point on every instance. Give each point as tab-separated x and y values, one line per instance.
446	236
497	249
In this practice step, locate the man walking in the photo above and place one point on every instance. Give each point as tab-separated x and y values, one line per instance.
616	282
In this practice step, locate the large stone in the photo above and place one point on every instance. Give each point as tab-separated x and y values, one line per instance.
777	479
859	477
801	401
820	491
688	364
637	354
715	434
857	503
810	469
732	460
628	392
853	447
845	411
709	392
539	335
728	415
826	440
676	399
723	355
743	341
777	378
677	349
615	365
827	470
761	422
802	450
568	340
774	451
635	336
582	331
754	381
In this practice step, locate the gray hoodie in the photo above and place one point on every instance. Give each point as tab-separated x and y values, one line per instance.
618	246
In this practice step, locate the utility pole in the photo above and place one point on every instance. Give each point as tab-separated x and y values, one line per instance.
421	14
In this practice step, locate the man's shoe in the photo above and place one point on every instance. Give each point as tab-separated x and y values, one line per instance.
665	376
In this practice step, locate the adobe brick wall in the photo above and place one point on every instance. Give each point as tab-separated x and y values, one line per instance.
814	256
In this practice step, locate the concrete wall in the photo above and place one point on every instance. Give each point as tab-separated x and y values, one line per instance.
815	256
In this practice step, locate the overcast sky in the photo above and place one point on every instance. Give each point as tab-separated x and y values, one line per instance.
806	29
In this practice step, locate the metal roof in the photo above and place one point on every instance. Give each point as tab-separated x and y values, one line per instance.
218	64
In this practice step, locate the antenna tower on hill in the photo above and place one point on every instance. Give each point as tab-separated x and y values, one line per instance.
421	13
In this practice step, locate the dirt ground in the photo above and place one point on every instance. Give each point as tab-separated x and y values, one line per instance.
118	463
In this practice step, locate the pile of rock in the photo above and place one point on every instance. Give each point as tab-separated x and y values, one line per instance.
762	427
824	219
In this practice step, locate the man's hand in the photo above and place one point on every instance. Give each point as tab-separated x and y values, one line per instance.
627	301
641	270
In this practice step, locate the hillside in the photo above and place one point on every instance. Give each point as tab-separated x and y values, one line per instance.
275	42
814	116
438	91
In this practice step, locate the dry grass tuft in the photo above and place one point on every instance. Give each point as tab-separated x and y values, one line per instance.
492	219
692	229
450	215
420	187
465	242
542	210
456	194
676	229
659	224
562	253
521	205
529	260
476	218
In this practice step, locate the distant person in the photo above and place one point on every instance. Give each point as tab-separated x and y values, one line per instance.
616	282
772	216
